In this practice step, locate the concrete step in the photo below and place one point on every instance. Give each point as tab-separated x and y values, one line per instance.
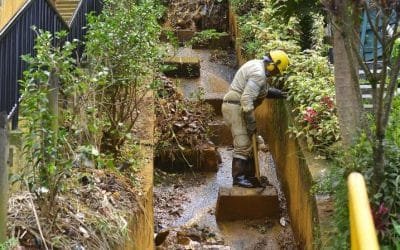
221	134
204	158
60	3
182	66
69	8
366	93
238	203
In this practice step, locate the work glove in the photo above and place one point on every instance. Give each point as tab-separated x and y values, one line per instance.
274	93
250	119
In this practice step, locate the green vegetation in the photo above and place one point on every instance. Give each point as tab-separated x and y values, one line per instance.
124	39
92	125
312	98
385	203
393	130
46	145
206	36
309	80
9	244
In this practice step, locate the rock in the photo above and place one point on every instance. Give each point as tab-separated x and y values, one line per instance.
183	240
282	221
160	237
194	245
193	234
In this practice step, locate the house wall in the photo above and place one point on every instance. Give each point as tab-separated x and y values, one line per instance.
8	8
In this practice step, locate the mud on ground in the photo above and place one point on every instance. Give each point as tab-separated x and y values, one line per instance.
178	228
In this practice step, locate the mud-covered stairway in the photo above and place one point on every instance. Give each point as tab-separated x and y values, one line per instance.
185	202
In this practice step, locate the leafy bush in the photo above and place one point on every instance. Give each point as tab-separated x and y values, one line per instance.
244	7
393	130
385	204
125	40
356	158
46	144
11	243
311	90
386	201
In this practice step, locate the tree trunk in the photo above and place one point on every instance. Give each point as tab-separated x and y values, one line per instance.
348	96
379	166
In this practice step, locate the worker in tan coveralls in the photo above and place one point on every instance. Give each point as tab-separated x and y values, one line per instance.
248	89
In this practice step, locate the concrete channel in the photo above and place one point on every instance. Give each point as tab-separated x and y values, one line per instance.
187	201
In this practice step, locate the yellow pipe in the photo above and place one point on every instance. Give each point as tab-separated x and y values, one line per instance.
363	233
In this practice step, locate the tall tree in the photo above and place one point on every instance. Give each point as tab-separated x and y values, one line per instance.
348	94
381	73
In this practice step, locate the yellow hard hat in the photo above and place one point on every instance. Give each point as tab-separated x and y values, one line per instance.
280	59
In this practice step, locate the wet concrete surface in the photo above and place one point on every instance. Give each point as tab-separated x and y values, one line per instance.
215	75
192	204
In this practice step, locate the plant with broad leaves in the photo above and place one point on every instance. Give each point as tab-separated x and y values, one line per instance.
124	38
45	143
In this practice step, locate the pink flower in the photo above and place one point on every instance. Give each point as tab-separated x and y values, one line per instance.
309	115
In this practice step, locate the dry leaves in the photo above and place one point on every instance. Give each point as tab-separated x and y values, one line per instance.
90	214
181	123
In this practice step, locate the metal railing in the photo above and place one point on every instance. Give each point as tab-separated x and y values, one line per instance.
362	229
78	22
17	39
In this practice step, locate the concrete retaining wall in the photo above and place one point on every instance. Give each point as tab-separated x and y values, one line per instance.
292	170
141	224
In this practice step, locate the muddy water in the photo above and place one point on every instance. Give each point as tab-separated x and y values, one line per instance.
186	201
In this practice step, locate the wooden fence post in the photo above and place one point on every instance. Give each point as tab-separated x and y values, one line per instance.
4	150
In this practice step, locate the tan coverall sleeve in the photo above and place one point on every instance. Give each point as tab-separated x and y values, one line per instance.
251	91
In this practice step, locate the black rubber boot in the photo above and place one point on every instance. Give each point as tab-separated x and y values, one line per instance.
251	168
250	173
239	168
